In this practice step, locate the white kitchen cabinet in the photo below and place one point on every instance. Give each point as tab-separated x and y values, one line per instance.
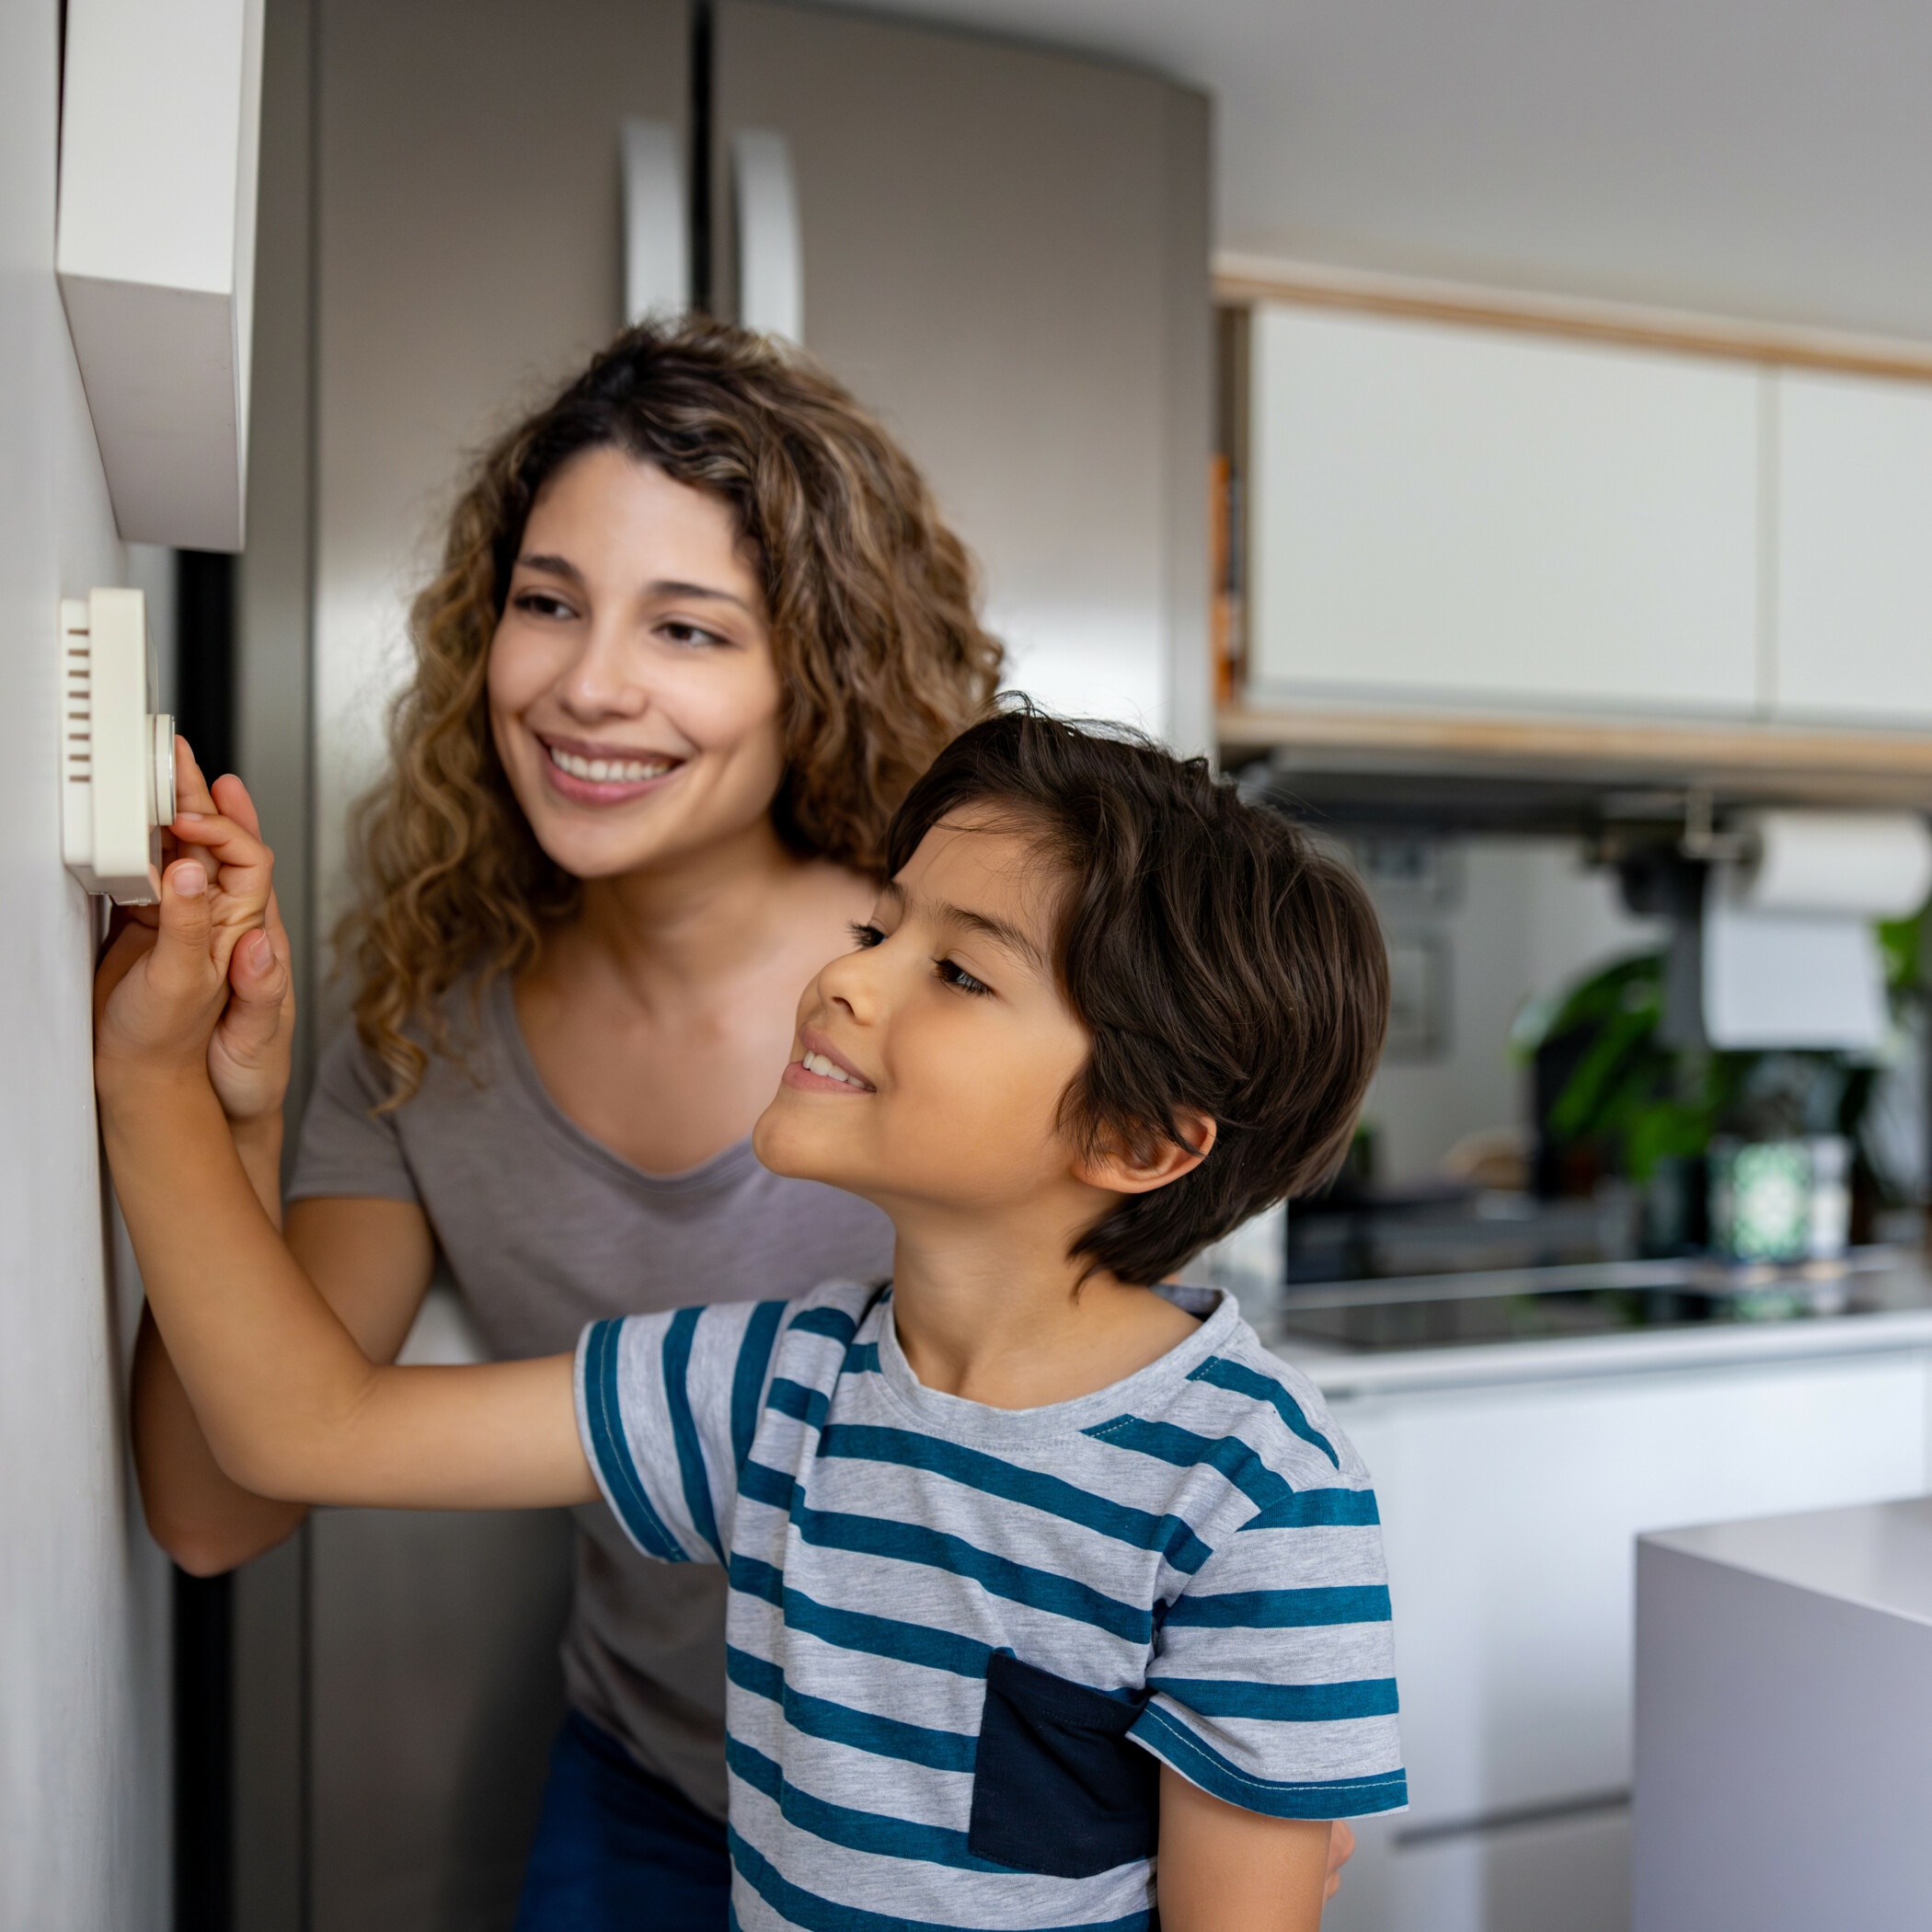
1455	514
1510	1515
1854	549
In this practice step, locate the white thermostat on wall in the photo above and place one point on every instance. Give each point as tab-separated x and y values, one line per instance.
117	756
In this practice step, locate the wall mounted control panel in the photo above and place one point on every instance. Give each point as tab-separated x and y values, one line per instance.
116	756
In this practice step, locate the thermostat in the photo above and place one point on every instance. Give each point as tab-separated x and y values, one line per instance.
117	756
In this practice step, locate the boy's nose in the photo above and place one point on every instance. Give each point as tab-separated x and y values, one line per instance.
851	982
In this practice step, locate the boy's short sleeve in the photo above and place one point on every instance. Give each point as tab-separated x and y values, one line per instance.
666	1407
1273	1681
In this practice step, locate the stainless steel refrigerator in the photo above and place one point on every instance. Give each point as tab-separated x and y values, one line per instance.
1004	252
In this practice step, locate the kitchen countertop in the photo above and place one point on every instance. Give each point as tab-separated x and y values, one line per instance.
1342	1372
1875	1555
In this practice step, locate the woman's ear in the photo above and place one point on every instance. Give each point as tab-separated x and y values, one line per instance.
1140	1168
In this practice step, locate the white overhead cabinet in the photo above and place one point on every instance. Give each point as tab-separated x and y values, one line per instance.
1854	550
161	111
1486	518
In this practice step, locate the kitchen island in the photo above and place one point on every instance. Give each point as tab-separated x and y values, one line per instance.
1514	1476
1784	1709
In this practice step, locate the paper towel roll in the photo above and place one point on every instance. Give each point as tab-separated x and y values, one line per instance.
1791	979
1868	865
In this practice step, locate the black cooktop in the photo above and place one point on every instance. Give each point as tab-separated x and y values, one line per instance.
1597	1298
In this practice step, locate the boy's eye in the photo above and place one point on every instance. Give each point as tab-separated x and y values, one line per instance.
864	935
954	974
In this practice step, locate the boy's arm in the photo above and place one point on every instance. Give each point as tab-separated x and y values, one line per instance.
1223	1869
371	1260
291	1406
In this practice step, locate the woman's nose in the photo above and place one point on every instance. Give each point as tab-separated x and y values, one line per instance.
602	680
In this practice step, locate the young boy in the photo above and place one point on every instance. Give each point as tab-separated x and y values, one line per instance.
1035	1571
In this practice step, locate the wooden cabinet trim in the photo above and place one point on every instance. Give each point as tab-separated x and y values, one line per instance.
1243	280
1839	764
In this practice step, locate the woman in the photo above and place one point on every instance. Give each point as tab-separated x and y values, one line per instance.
698	626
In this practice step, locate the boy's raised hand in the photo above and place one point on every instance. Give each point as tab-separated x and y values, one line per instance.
250	1053
163	985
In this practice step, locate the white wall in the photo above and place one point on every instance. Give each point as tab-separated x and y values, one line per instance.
83	1622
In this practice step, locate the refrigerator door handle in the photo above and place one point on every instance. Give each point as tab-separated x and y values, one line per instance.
771	258
656	240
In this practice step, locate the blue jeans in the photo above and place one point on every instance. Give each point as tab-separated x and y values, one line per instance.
618	1850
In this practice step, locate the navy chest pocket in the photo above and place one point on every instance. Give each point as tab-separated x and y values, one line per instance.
1056	1786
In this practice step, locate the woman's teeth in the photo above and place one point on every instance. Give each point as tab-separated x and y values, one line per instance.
818	1064
609	771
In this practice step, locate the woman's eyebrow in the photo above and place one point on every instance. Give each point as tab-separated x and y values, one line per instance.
673	587
552	566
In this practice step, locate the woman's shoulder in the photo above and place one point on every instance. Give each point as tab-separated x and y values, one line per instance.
459	1034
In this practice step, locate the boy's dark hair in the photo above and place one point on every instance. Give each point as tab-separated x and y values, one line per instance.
1220	961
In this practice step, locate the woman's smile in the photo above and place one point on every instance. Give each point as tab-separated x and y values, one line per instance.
588	773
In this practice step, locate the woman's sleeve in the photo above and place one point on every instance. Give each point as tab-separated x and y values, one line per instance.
666	1407
347	1149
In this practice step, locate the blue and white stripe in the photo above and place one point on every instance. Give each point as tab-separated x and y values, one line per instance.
1199	1536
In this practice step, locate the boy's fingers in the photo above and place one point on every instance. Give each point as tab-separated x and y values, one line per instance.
258	981
123	917
236	851
124	949
231	796
191	792
257	974
180	963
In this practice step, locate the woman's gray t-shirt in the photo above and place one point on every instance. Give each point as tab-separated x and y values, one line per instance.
545	1229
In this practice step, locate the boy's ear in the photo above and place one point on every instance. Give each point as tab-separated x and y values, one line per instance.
1122	1168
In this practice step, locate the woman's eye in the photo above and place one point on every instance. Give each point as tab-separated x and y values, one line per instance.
540	604
954	974
688	635
865	936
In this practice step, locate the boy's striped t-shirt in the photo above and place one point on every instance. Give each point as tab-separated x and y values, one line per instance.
958	1637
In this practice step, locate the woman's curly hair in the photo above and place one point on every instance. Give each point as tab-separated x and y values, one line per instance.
874	634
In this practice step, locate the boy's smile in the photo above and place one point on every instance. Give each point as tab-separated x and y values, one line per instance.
822	1069
948	1025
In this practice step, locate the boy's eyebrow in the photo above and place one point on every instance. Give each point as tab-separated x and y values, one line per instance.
1001	931
663	587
